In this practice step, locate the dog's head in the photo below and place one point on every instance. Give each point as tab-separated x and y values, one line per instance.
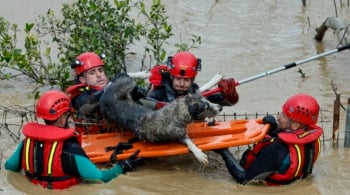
200	108
122	86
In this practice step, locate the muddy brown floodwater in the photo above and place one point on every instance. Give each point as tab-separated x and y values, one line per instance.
240	39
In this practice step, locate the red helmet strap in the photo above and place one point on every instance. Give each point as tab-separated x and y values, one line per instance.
289	123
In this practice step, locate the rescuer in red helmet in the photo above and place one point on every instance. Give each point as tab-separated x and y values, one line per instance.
91	81
91	77
178	78
51	154
289	150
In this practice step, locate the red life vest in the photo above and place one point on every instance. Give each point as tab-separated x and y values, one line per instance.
41	159
86	125
77	89
249	155
300	165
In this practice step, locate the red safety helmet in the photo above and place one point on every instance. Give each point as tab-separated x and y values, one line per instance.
184	64
302	108
52	105
87	61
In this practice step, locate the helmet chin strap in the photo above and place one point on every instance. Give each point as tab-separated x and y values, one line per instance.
66	125
63	122
290	124
300	126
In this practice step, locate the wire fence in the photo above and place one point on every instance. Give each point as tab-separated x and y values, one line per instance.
13	119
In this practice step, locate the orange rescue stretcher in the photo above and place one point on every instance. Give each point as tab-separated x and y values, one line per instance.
207	137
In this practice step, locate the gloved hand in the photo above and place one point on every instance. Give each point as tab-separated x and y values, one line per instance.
157	75
118	150
131	162
228	89
269	119
160	105
138	93
121	146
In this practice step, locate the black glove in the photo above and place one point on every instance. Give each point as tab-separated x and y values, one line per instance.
138	93
131	162
118	149
233	166
269	119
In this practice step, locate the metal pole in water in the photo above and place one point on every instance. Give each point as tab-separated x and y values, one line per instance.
336	112
347	126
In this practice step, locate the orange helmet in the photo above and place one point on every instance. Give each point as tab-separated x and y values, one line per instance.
302	108
52	105
184	64
87	61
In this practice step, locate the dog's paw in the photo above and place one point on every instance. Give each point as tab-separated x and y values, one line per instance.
218	76
202	157
212	82
139	75
198	153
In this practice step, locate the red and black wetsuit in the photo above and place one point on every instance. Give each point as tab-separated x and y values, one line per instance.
277	160
81	94
87	123
53	158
